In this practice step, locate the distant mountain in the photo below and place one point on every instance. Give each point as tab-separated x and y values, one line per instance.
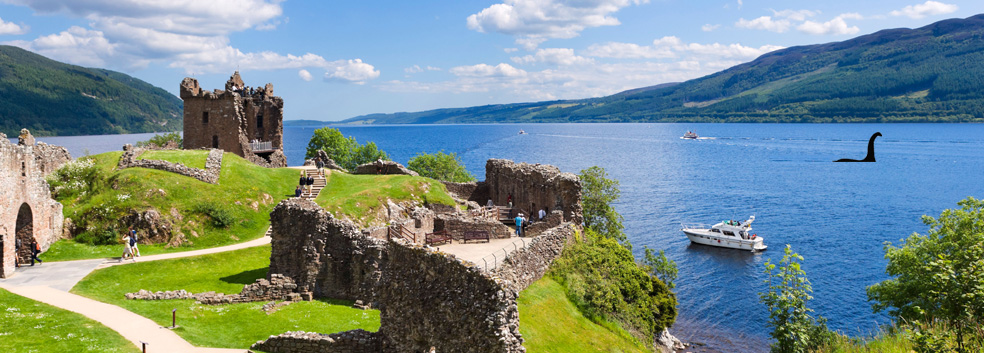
53	98
930	74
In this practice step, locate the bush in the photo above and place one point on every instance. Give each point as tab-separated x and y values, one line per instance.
597	195
440	166
793	328
219	216
78	178
163	140
343	150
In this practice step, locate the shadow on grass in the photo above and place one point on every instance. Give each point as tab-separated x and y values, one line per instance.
246	277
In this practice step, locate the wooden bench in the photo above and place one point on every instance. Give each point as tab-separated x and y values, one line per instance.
438	237
476	235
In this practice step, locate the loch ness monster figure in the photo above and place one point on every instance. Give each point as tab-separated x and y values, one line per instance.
871	151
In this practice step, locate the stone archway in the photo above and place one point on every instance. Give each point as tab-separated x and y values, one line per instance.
24	232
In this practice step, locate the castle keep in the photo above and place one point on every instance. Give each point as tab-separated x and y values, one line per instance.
243	120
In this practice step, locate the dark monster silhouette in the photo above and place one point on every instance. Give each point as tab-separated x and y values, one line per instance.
871	151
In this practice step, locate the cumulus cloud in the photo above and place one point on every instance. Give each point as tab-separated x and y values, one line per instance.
709	27
554	56
928	8
628	51
834	26
485	70
354	71
672	47
187	34
305	75
12	28
534	21
765	23
413	69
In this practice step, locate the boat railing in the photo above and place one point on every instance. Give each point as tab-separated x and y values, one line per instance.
695	226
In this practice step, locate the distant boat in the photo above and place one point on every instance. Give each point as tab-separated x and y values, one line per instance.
521	132
692	135
727	234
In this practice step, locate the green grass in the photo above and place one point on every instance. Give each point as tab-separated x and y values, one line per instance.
30	326
221	326
549	322
190	158
362	198
242	185
885	343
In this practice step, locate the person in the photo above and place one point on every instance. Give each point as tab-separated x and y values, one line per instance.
17	246
490	204
320	165
543	213
127	250
133	242
297	191
35	251
509	200
302	181
519	225
310	185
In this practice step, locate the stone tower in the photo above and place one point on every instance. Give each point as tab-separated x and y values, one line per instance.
243	120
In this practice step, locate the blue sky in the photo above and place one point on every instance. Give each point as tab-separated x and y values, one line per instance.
332	60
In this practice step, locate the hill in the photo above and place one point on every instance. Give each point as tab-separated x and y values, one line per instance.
930	74
53	98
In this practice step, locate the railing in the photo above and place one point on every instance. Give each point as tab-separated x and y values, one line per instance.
695	226
489	213
261	146
401	231
495	259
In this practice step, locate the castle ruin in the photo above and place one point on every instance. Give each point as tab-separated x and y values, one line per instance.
27	211
243	120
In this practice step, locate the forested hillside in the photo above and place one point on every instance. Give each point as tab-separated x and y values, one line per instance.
53	98
930	74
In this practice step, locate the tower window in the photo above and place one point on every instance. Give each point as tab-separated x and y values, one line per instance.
259	121
204	117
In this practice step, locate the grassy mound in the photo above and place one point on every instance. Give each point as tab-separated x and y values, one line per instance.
30	326
551	323
191	158
221	326
362	198
97	198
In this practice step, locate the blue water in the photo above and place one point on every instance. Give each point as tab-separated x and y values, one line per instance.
837	215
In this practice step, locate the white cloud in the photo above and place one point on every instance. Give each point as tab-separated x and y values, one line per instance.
188	34
627	51
534	21
834	26
510	50
432	68
555	56
354	71
795	15
485	70
413	69
709	27
764	23
12	28
305	75
673	47
928	8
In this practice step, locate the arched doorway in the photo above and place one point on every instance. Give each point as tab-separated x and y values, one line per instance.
24	232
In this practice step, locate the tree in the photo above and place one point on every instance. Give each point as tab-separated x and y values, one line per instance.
343	150
162	140
597	194
440	166
661	266
939	276
794	330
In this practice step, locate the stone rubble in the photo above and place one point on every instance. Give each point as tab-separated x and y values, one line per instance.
213	164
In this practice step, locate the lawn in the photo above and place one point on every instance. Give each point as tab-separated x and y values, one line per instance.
550	323
362	198
220	326
190	158
30	326
207	215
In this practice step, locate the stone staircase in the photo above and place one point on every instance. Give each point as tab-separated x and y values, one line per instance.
319	183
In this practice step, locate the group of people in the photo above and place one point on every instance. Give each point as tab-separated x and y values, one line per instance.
130	249
244	90
305	183
35	251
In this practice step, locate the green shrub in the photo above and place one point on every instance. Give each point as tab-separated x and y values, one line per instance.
162	140
79	178
440	166
793	328
343	150
219	216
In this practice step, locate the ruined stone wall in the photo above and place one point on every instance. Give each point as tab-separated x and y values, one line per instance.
457	225
430	299
24	192
235	117
527	265
213	164
474	191
383	168
534	186
552	220
355	341
325	257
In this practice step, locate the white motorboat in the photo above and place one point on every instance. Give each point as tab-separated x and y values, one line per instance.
521	132
727	234
692	135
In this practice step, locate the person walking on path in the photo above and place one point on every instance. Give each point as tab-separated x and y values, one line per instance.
35	251
127	250
321	166
310	185
17	246
519	225
133	242
543	213
509	200
302	181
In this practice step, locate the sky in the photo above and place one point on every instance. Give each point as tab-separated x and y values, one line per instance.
333	60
